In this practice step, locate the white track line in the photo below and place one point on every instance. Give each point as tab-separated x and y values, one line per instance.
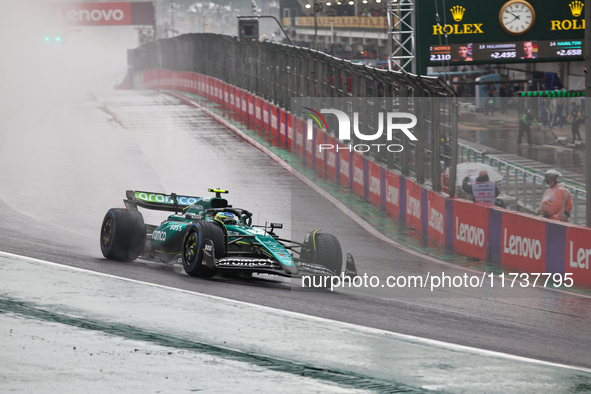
368	330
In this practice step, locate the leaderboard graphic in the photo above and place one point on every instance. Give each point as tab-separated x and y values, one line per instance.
517	50
499	31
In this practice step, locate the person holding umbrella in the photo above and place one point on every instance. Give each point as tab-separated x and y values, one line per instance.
483	189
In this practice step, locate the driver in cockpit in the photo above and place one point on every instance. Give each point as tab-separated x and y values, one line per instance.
226	218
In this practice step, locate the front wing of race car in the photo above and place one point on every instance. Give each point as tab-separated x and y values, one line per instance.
270	266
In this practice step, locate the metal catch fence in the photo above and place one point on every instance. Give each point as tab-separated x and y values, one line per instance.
282	74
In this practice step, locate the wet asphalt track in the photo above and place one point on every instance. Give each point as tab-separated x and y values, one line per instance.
64	165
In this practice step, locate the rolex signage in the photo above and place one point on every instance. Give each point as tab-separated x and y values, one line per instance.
457	12
498	31
575	23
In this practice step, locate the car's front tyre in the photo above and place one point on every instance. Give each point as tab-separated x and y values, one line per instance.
324	249
194	248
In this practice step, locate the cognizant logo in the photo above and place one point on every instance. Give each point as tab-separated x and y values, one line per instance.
344	132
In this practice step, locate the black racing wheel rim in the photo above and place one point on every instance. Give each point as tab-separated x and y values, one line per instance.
107	231
191	250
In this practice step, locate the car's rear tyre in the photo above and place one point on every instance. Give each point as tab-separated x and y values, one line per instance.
194	244
123	234
324	249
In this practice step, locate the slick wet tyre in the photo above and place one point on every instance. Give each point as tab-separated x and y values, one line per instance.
123	234
194	243
328	252
323	249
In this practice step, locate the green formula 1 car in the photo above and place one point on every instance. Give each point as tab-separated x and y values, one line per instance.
207	236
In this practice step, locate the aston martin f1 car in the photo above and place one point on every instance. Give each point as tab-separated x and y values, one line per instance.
209	236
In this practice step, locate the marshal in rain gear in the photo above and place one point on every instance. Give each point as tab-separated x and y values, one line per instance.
556	203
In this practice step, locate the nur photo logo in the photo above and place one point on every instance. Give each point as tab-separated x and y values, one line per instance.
387	122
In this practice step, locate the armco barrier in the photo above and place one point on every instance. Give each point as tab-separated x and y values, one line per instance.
506	238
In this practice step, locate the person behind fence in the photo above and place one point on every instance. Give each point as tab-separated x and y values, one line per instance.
560	108
525	125
483	189
489	106
557	202
504	98
576	117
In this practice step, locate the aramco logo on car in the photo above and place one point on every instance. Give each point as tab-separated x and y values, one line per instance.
344	130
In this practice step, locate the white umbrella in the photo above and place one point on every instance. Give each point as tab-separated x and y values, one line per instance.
473	169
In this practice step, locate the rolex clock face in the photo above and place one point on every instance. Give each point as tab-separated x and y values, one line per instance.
517	17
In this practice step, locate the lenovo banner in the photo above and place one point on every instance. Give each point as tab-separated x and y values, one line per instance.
103	14
470	228
523	242
243	107
194	83
290	131
265	123
359	175
578	254
284	120
258	114
375	176
392	193
274	124
320	156
414	203
345	167
226	93
299	137
250	110
207	88
331	160
232	98
436	217
310	144
218	93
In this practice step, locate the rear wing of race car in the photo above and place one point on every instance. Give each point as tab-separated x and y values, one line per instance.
167	202
158	201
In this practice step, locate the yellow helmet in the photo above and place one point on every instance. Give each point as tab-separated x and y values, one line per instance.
226	218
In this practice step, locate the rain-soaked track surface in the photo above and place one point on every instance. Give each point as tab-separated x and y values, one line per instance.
64	166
